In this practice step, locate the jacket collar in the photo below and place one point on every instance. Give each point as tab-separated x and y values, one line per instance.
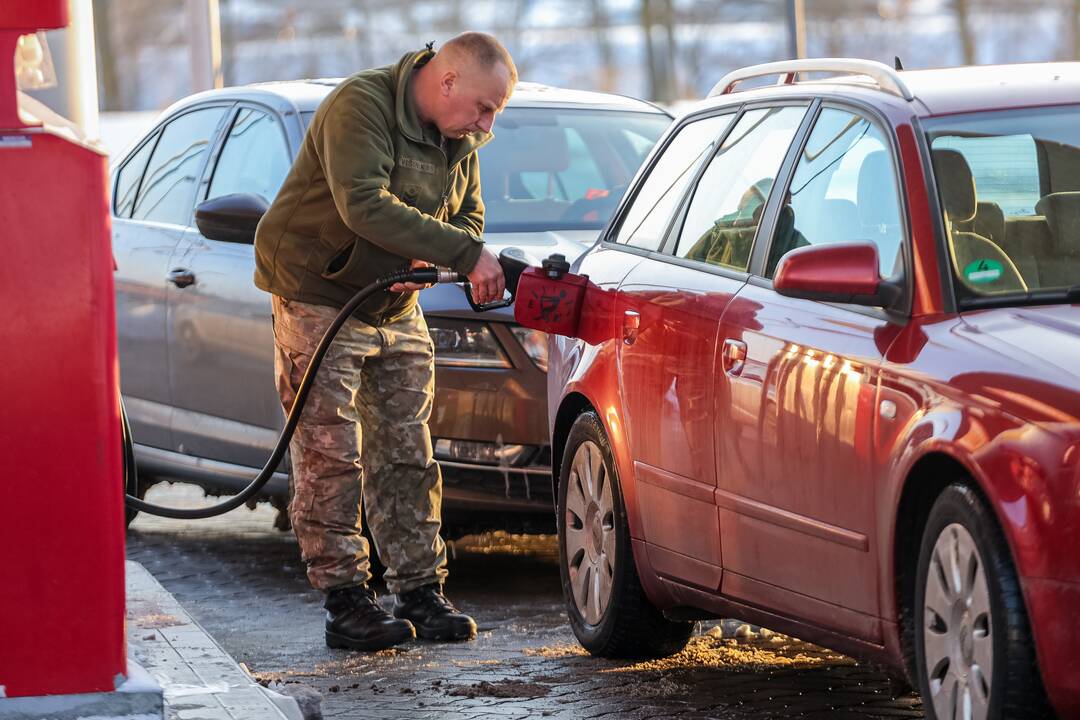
409	122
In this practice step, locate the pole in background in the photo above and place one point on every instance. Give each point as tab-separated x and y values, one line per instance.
796	24
81	68
204	35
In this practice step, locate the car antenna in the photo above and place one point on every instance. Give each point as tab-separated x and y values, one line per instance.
896	63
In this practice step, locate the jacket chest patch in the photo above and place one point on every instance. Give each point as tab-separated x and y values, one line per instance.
414	164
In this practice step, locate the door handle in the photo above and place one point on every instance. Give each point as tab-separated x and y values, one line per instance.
631	323
182	277
734	356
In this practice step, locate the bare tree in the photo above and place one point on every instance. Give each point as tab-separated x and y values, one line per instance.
111	93
514	32
657	26
962	9
600	24
1072	22
697	22
840	23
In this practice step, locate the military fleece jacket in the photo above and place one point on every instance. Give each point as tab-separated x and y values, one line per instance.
369	191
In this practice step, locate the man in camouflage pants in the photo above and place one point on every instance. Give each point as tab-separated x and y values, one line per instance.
387	179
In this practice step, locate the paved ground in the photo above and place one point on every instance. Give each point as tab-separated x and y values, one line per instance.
244	582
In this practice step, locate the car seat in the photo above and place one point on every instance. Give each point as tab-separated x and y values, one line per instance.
970	250
1060	267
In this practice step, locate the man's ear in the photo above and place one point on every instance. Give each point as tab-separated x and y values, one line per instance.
447	82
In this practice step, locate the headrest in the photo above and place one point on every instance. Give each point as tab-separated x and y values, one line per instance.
956	184
843	215
876	196
1062	213
990	212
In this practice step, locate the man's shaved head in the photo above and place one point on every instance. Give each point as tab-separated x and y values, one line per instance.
466	84
483	50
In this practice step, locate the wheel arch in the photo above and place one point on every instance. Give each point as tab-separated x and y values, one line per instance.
572	405
923	483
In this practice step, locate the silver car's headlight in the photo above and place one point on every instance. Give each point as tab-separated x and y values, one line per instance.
465	344
535	343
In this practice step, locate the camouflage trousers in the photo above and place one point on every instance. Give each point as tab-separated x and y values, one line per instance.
363	434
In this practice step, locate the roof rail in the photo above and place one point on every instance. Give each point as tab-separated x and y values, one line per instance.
887	79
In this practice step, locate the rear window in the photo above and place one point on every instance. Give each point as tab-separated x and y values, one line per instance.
1005	168
1009	186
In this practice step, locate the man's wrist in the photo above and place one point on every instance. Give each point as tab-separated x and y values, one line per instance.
468	259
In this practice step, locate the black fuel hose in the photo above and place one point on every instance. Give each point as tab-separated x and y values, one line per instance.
425	276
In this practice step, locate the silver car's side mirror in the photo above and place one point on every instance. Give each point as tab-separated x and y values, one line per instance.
231	218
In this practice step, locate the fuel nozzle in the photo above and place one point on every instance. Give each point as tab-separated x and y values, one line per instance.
514	261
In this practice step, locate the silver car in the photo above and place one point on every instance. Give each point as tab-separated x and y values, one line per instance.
196	344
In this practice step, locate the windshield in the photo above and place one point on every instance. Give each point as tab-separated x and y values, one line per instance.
562	169
1009	185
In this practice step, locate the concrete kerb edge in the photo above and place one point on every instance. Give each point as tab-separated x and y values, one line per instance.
153	595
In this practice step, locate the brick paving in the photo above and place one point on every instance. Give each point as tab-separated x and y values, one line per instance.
244	582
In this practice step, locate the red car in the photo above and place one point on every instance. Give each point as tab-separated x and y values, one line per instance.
830	382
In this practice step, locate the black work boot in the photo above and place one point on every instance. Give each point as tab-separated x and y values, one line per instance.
434	616
355	621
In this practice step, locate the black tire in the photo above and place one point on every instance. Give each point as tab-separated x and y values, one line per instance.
130	470
1014	685
630	626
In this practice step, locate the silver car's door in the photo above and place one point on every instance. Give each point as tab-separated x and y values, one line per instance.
220	335
153	194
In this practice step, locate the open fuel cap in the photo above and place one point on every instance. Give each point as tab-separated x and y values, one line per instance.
555	266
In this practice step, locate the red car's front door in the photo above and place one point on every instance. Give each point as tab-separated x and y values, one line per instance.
667	315
796	399
670	314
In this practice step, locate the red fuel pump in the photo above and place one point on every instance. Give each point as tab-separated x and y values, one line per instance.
61	519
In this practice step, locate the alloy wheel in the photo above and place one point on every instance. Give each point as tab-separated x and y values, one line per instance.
958	628
590	532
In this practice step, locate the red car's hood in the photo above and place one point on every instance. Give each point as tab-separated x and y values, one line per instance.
1036	372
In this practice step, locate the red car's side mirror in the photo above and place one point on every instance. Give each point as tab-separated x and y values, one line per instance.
843	272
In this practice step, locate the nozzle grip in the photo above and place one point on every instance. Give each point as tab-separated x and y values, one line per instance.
484	307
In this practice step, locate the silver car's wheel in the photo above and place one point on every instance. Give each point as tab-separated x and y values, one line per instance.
958	628
590	532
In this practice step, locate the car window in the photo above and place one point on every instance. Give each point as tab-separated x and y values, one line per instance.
581	174
844	189
1005	168
560	168
647	219
1008	182
127	179
167	192
255	158
726	207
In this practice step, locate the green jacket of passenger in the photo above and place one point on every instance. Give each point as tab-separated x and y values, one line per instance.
370	190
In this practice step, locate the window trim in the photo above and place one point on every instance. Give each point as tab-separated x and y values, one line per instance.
669	245
160	130
207	176
949	293
151	137
759	252
615	224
